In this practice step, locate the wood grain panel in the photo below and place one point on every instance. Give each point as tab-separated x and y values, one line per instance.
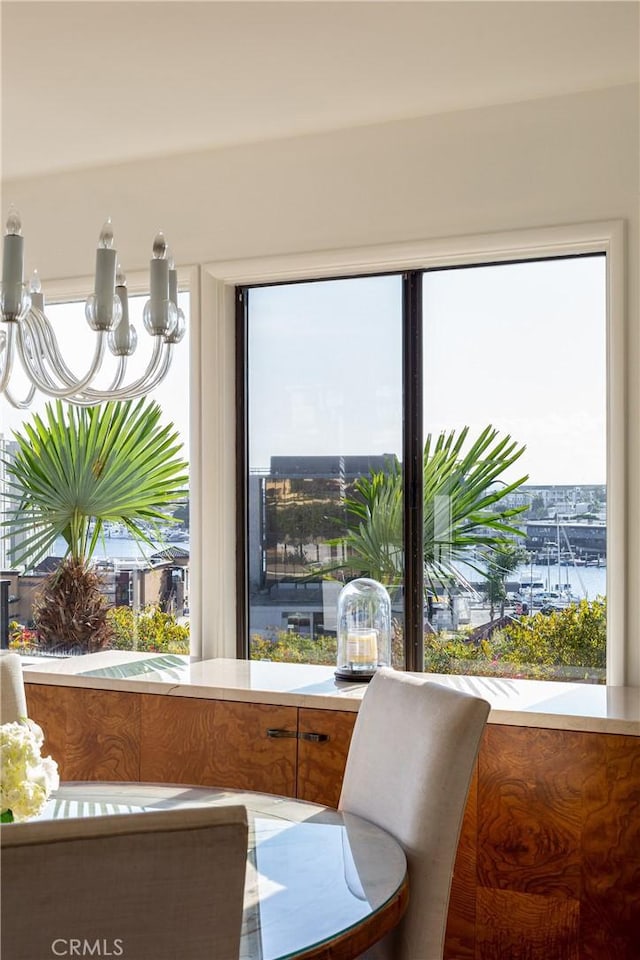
610	915
321	765
525	926
217	743
245	758
47	705
530	810
176	738
103	735
460	935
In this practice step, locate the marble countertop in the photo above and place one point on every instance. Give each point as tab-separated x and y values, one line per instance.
564	706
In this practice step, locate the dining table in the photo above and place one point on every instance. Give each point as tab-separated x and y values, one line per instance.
321	884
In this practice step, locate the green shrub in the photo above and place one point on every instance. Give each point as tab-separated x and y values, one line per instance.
445	654
147	630
567	644
288	647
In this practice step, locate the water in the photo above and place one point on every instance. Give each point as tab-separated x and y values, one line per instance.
120	548
584	582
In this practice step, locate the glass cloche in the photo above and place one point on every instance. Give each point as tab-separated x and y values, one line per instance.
364	630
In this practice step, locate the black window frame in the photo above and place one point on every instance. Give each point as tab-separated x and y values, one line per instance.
412	441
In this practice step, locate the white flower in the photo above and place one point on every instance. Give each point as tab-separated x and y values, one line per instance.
26	778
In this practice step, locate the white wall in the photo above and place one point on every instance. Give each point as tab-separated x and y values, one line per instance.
545	162
542	162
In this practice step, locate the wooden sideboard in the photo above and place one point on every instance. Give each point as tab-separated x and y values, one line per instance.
548	865
108	735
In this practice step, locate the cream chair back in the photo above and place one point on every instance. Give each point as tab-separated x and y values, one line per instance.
13	703
143	886
410	763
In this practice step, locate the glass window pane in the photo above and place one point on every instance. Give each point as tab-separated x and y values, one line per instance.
324	413
135	579
519	347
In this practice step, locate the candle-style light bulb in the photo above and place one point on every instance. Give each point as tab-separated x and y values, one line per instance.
103	309
173	280
14	224
14	299
35	291
159	314
35	284
122	339
160	246
106	235
176	332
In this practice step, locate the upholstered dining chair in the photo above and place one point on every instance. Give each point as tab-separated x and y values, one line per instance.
144	886
408	770
13	703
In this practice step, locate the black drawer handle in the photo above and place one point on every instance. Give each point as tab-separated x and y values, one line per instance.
276	734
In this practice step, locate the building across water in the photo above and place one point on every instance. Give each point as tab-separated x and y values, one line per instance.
297	518
581	540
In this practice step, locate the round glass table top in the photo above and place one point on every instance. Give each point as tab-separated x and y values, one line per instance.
313	874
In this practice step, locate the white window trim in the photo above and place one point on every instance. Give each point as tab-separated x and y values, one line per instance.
213	573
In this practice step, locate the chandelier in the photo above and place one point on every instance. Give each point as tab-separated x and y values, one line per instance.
27	336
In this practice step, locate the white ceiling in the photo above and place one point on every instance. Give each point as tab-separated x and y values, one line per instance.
87	83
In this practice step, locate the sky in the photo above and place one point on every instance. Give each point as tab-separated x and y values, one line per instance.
520	346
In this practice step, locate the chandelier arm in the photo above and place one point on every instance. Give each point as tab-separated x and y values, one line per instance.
40	329
114	391
35	344
49	349
136	388
8	346
32	351
119	376
63	372
88	399
34	366
20	404
132	391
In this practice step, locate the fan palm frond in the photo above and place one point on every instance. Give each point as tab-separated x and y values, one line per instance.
77	468
463	507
